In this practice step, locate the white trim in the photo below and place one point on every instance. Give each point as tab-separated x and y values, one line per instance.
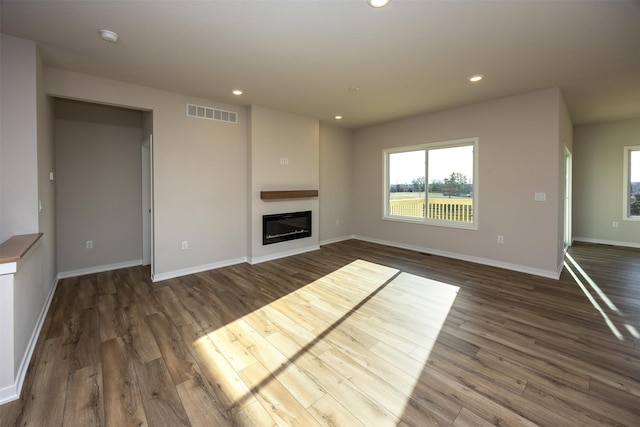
426	147
8	268
99	269
606	242
551	274
197	269
560	267
336	240
568	198
9	394
13	391
279	255
626	182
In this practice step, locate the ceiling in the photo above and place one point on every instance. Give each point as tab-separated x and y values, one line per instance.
321	58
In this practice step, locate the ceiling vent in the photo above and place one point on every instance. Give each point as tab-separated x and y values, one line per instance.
209	113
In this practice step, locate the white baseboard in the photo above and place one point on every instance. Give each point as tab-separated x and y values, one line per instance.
9	393
606	242
99	269
484	261
12	392
282	254
336	240
197	269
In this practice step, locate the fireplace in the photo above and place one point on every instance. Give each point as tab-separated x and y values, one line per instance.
286	226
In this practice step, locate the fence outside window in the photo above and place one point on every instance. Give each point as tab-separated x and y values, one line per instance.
438	208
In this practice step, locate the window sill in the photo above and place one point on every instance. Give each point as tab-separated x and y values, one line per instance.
432	222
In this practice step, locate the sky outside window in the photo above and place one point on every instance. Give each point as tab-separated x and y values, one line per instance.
408	166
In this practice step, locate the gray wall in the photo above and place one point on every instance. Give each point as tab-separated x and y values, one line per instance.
18	133
565	134
519	155
98	183
598	151
26	153
200	172
336	159
274	135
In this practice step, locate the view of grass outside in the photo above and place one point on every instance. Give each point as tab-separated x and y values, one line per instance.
420	195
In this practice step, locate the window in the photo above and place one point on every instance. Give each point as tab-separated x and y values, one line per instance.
434	184
631	172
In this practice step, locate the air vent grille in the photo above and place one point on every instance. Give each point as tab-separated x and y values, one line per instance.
209	113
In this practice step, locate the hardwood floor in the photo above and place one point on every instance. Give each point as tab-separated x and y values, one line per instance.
356	334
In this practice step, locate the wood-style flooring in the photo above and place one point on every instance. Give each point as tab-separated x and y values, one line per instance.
355	334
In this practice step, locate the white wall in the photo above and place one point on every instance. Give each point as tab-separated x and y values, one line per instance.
518	156
274	135
336	158
99	186
200	172
598	153
29	304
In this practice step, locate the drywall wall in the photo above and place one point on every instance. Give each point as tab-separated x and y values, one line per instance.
565	134
46	185
26	145
18	136
598	153
283	155
336	157
98	185
518	157
199	172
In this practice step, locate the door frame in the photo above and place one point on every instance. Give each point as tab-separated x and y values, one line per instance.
568	166
147	202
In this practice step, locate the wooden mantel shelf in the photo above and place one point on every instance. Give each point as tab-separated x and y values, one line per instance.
288	194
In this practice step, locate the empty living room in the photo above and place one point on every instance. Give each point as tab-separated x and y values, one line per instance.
308	213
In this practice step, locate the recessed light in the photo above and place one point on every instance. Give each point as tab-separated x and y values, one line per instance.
378	3
476	78
108	36
338	117
237	92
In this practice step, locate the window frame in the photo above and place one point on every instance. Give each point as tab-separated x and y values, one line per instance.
471	141
626	184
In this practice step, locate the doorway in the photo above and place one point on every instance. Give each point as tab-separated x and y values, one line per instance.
147	201
568	239
104	169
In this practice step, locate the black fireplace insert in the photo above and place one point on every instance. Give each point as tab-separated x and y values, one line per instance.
286	226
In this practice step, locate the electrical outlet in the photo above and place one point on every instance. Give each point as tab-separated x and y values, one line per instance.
337	222
501	239
615	224
89	244
185	244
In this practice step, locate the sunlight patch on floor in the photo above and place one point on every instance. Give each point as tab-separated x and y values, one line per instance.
330	331
607	301
593	284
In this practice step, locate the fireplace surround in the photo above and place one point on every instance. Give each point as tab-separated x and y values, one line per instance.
285	226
